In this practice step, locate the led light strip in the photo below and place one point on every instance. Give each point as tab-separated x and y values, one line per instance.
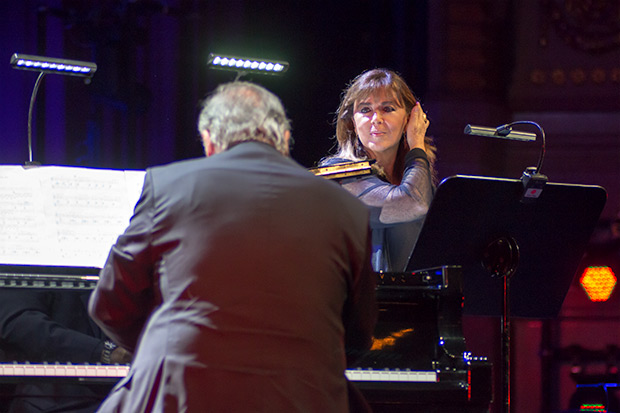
53	65
247	64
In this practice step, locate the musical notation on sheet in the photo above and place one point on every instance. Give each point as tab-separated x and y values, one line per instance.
55	215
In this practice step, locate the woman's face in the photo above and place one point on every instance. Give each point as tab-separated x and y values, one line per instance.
379	123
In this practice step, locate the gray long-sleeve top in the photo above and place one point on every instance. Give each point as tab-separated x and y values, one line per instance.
397	212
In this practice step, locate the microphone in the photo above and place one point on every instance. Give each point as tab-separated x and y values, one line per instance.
503	132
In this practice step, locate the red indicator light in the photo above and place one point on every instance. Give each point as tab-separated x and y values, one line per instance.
599	408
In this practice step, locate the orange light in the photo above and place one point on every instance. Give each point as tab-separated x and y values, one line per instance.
383	343
598	283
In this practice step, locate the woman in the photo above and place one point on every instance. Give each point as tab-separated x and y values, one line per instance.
380	119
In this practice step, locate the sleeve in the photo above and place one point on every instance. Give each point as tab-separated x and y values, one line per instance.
31	330
360	310
393	204
125	294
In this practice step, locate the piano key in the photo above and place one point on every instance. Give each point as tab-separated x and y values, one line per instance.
391	375
63	370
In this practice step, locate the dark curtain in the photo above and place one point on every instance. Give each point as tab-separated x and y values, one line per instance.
140	108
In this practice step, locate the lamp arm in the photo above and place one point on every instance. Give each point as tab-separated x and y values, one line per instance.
543	145
32	99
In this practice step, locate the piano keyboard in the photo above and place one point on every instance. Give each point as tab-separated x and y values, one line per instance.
118	371
48	277
64	370
358	375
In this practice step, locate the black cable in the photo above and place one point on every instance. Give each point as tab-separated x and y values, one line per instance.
543	141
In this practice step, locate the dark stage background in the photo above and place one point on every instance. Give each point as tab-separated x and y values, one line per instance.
140	109
484	62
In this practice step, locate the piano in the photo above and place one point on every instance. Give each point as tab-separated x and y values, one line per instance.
418	361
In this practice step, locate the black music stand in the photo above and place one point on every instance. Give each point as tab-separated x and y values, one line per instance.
518	255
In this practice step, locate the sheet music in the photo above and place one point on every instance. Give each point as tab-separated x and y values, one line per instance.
67	216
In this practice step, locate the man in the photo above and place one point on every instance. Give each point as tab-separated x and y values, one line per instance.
241	278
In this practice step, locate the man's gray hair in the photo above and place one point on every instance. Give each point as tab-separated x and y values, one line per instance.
243	111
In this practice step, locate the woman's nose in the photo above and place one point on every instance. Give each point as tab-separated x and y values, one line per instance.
376	117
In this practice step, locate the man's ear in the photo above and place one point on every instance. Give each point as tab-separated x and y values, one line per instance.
210	148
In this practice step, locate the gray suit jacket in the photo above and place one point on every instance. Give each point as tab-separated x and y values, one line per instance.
239	282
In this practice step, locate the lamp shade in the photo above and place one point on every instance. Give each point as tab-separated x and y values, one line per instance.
53	65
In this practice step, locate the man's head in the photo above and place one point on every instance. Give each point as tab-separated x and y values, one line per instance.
243	111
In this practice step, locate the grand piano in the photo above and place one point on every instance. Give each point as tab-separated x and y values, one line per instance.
418	362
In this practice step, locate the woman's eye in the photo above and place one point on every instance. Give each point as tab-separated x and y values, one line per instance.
364	110
389	109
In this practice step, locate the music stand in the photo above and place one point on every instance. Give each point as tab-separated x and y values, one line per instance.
518	255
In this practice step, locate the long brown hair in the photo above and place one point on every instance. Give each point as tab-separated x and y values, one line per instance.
365	84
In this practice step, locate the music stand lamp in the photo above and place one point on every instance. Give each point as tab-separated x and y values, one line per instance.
246	65
45	65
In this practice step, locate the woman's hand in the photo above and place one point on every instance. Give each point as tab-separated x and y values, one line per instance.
416	127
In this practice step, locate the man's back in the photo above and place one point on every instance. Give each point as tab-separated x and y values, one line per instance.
257	263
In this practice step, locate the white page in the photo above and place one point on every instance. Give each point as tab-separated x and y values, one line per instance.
67	216
23	225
